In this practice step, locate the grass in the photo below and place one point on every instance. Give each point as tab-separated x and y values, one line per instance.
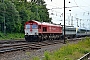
70	51
10	36
36	58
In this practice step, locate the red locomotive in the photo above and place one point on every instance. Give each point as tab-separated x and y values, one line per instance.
38	31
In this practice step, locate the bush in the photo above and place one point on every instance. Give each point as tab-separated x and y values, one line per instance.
10	36
70	51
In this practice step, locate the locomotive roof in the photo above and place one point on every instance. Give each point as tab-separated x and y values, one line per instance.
45	23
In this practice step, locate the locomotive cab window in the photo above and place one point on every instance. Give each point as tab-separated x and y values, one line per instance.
44	29
39	27
28	26
34	26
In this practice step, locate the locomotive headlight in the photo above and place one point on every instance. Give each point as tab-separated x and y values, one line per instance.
26	33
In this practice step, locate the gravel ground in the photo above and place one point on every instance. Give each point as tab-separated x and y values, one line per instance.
29	54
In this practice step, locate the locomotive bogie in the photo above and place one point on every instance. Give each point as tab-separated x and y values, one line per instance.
49	36
31	38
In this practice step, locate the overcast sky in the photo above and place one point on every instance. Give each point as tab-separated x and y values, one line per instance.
79	9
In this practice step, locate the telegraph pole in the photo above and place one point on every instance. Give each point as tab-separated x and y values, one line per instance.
77	21
68	20
80	22
72	20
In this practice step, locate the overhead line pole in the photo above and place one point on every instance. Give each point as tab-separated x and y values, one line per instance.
64	22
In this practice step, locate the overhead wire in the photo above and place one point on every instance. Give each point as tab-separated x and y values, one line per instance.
53	5
86	3
80	7
68	7
53	9
71	7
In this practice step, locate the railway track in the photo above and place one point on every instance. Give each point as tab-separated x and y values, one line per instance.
9	46
85	57
27	45
11	41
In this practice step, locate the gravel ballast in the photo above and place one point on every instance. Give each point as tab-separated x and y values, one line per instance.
29	54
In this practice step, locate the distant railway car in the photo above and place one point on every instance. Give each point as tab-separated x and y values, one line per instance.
70	31
37	31
82	32
88	32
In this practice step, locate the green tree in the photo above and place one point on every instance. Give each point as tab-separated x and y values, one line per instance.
11	15
17	12
23	12
1	16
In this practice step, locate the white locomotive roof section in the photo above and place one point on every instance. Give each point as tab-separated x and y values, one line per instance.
45	23
49	24
36	21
